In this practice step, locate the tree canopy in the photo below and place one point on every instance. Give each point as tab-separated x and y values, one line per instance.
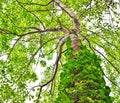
33	45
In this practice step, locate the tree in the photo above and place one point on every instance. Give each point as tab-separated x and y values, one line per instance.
34	32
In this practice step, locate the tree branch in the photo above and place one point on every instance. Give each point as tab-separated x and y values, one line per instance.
42	31
70	13
32	14
108	61
56	68
36	3
32	57
4	31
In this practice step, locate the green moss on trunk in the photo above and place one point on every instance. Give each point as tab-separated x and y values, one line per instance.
82	80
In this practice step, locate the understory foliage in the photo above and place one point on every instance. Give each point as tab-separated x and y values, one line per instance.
82	79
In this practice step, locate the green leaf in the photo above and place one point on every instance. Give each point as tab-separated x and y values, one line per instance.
43	63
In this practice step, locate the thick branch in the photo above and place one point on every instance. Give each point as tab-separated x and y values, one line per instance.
70	13
42	31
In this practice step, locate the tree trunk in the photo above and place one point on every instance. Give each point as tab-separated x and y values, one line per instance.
82	80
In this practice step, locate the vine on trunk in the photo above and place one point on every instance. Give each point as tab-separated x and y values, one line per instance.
82	79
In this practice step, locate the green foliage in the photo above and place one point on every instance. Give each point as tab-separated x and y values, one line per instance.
43	63
82	79
23	46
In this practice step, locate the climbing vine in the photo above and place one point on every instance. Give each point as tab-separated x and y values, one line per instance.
82	78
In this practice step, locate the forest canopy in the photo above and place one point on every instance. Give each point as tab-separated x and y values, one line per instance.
52	49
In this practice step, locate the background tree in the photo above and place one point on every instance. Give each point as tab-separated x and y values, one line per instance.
32	32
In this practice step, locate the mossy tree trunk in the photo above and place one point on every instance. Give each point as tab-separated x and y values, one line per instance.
82	79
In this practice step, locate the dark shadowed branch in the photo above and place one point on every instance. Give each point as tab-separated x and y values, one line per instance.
54	74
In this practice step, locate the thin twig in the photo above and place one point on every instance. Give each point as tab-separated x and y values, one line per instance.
32	57
32	14
37	4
